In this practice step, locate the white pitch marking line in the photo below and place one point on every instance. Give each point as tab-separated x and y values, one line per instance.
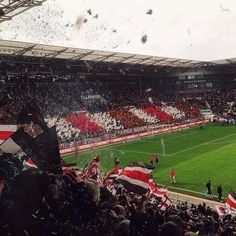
186	190
122	150
202	144
184	150
158	141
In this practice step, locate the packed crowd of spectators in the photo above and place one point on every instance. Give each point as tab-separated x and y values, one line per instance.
222	102
128	119
103	108
33	202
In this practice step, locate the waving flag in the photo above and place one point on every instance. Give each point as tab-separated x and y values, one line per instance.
164	203
6	131
91	171
112	175
231	201
157	192
13	144
222	210
135	179
30	164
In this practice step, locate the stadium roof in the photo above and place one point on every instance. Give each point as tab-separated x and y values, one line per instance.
230	61
11	8
14	48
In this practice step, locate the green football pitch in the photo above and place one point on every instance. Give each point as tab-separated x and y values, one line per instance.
196	154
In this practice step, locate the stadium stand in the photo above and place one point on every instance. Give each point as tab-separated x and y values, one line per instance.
126	118
88	96
84	124
158	113
143	115
106	121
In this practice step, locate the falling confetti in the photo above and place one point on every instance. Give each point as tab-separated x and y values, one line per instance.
224	9
79	22
115	46
96	16
189	32
89	12
128	42
85	20
149	12
114	30
144	38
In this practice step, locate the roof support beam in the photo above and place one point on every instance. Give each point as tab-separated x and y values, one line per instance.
55	54
124	59
138	61
80	56
11	8
102	58
23	51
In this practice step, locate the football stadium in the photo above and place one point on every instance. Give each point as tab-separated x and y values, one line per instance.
100	134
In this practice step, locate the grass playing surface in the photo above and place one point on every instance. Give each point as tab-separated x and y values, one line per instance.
196	154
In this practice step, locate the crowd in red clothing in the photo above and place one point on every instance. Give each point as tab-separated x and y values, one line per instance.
191	109
158	113
84	124
127	118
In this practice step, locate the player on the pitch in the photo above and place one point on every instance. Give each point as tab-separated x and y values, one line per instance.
172	176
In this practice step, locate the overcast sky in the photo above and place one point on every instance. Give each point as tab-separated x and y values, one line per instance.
191	29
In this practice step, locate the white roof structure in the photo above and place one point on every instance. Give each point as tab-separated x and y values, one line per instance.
230	61
48	51
11	8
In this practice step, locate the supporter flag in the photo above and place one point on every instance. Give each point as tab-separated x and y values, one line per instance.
6	131
164	203
222	210
91	171
112	175
135	179
13	143
141	164
157	192
21	140
30	164
31	113
231	201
